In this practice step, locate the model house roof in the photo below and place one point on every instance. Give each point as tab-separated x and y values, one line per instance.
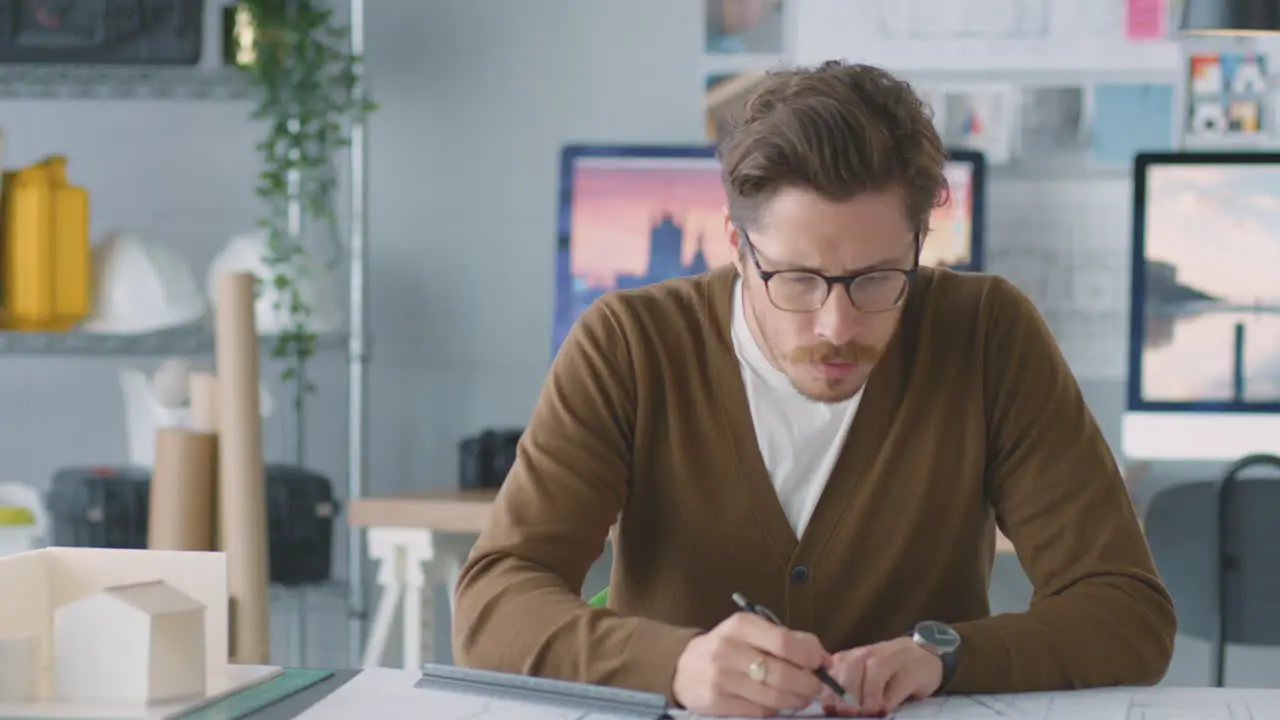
154	598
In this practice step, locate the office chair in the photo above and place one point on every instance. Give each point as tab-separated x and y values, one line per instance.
1217	547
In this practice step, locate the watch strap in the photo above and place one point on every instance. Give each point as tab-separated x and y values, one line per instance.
950	662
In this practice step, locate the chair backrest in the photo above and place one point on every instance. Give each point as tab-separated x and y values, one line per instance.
1181	525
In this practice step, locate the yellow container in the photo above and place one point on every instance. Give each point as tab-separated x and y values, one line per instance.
47	258
16	516
72	254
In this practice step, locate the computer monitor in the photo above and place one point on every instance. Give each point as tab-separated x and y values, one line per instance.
1204	347
634	215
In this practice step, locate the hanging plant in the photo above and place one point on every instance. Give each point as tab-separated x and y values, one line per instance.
305	77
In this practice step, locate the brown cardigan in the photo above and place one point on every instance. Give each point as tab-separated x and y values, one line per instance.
972	417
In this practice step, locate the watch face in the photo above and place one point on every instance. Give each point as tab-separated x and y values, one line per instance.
939	635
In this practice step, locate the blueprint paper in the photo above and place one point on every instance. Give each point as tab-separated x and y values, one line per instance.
1041	706
1128	119
1103	704
391	695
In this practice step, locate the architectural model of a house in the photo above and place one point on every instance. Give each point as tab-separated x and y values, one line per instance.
143	642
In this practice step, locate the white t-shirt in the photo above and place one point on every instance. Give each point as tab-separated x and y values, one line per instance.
799	438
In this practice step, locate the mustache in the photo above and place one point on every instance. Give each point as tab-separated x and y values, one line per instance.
851	352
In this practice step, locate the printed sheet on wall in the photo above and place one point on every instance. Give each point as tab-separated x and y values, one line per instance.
985	35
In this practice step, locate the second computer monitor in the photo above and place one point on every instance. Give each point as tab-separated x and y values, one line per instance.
1204	348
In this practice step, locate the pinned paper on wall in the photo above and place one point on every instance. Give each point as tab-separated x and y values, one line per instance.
1129	118
744	27
981	36
1145	19
982	118
1226	94
1050	119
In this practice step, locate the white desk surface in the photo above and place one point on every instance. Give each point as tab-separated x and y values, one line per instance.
391	695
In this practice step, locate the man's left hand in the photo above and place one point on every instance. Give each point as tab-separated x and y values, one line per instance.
883	676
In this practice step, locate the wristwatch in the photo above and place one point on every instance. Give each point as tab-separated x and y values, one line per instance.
941	640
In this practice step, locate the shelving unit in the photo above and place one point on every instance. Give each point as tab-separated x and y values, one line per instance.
104	82
186	340
203	82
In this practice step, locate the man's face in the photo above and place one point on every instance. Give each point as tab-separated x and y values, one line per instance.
827	352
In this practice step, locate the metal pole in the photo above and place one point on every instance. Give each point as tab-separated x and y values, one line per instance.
294	227
357	352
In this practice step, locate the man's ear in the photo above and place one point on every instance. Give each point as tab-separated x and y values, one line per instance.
735	241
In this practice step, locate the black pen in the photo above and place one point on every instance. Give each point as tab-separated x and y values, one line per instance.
822	674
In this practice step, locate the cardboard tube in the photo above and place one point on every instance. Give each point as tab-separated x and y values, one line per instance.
180	516
242	498
203	390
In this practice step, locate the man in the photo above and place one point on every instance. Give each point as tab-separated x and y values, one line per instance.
830	430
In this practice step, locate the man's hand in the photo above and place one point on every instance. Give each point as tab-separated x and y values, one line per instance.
749	667
883	676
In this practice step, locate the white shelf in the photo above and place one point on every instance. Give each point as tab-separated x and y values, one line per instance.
122	82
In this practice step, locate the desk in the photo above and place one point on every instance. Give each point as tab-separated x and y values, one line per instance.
417	542
392	693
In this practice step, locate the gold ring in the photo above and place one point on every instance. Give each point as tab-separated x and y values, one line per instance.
758	671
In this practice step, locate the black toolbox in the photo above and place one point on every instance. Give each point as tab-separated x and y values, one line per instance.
107	508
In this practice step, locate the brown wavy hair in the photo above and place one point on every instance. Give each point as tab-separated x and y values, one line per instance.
839	130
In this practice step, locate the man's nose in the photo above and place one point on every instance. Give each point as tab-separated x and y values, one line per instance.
837	319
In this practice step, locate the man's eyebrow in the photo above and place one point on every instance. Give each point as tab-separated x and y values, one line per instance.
781	266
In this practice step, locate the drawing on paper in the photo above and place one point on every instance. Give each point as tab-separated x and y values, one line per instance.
1156	706
1101	704
977	707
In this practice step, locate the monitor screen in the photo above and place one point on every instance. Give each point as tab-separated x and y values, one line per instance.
1204	355
630	216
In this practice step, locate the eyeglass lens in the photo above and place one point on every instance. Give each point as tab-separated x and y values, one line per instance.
803	291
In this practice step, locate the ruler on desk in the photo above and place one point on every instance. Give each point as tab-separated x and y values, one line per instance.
616	702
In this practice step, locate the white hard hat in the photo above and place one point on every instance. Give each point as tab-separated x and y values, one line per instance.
246	252
141	287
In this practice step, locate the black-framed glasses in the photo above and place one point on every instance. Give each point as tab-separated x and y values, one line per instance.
872	291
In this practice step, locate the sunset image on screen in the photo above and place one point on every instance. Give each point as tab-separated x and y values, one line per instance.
642	219
634	221
950	227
